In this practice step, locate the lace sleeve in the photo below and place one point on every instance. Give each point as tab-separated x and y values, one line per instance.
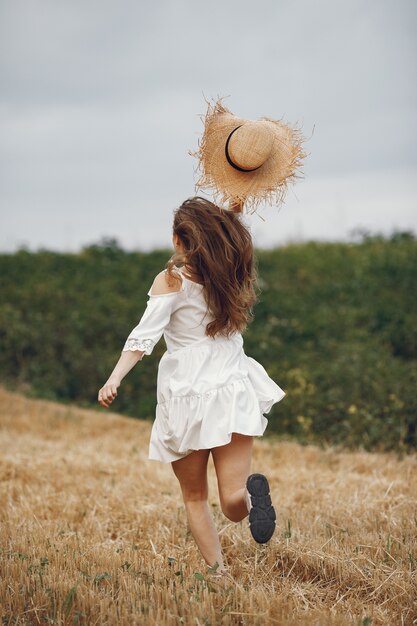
145	345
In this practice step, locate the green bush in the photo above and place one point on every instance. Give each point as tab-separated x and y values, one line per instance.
335	326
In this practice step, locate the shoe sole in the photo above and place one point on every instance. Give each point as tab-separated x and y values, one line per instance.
262	517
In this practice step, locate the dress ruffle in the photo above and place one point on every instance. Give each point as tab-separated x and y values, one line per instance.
205	392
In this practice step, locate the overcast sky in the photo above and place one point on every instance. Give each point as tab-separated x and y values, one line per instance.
100	103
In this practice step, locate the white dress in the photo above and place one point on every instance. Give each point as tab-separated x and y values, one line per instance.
207	388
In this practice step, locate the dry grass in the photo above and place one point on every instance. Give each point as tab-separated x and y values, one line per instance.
92	532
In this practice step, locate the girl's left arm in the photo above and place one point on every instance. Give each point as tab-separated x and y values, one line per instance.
143	338
126	362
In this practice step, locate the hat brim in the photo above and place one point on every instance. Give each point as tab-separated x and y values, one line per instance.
267	183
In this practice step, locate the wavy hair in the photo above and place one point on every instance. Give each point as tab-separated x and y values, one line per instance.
219	251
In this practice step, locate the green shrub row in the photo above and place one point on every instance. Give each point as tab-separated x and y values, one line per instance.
335	326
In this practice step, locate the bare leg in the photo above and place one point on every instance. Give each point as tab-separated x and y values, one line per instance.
232	463
191	472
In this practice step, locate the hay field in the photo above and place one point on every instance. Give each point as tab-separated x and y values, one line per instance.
94	533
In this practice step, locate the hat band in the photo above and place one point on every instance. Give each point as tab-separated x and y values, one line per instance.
229	160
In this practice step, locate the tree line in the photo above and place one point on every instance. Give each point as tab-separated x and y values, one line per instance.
335	326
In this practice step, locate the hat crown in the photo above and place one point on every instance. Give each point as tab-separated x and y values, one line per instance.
250	145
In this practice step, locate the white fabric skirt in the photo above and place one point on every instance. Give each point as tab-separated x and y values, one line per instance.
205	392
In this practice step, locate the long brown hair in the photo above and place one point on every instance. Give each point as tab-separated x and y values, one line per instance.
219	251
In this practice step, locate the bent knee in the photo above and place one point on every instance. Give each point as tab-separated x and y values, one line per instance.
232	514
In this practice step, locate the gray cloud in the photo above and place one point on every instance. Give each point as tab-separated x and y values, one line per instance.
100	103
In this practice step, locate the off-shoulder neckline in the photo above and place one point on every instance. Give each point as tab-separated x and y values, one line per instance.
169	293
173	293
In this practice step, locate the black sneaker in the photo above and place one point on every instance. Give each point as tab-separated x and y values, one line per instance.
262	514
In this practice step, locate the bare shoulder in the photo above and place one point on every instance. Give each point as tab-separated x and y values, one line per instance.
163	284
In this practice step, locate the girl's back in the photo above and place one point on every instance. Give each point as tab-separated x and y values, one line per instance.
189	314
180	316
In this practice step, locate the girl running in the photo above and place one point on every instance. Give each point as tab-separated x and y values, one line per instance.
211	396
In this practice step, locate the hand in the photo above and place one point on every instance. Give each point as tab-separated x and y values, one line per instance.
108	393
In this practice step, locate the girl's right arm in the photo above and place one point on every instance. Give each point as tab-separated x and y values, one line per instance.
127	360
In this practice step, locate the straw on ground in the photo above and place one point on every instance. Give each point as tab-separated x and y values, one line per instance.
92	532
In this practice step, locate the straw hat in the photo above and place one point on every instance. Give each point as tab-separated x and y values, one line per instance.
245	161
